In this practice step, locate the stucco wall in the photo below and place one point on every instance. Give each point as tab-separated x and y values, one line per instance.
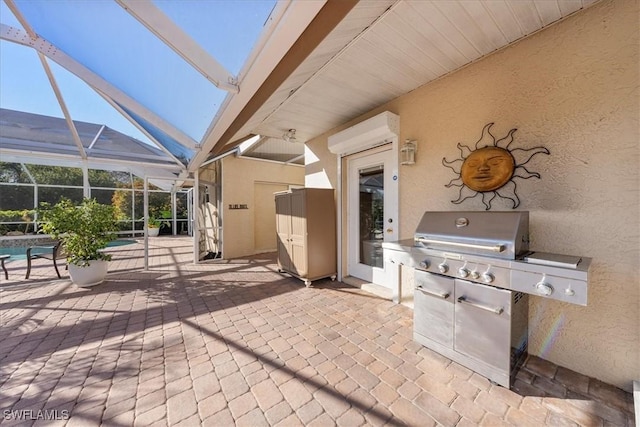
239	178
572	88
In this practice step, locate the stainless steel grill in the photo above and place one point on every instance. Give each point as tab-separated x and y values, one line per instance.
496	234
474	274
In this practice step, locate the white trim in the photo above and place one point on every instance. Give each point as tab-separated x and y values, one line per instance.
290	161
270	161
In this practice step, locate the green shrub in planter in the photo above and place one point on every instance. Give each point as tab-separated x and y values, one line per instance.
84	230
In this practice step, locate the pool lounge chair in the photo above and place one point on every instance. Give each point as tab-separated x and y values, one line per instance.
52	252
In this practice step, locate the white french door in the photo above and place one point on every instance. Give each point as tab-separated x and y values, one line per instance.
372	213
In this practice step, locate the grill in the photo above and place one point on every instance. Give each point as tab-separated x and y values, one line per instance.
474	272
495	234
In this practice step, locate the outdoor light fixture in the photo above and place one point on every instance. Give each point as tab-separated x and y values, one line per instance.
408	152
290	136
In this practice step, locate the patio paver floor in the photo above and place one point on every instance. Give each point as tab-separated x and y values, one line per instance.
237	343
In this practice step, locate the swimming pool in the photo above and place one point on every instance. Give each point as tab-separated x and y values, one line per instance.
20	252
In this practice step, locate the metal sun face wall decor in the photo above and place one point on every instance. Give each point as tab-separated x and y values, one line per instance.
490	168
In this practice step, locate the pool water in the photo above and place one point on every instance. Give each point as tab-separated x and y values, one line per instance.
19	252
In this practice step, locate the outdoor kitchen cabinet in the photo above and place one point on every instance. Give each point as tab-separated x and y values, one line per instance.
306	233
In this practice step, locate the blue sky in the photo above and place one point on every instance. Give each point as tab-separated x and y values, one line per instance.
124	53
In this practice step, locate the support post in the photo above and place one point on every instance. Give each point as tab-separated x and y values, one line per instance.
146	224
196	211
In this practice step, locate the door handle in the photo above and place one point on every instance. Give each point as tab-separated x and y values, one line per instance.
443	295
494	310
389	230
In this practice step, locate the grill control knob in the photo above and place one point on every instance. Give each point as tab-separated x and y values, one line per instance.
487	277
544	288
425	264
463	272
443	268
475	275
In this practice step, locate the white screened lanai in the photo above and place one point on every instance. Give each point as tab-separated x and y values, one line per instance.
176	73
144	88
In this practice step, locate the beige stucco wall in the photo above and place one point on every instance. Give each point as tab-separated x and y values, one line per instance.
239	178
572	88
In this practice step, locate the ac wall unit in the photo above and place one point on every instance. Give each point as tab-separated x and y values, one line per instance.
367	134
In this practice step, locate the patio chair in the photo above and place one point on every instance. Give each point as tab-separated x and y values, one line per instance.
4	267
52	253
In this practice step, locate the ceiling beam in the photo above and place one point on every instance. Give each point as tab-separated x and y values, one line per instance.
324	22
52	80
63	106
71	160
180	42
287	22
138	126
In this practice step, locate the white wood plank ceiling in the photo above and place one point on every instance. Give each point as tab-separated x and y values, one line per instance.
384	49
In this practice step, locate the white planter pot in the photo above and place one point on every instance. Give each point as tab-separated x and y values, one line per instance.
153	232
92	275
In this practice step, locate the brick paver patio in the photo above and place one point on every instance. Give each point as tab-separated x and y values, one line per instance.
237	343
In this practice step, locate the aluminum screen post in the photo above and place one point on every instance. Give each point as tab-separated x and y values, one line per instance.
174	210
146	223
196	210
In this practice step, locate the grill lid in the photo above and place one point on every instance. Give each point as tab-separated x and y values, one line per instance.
496	234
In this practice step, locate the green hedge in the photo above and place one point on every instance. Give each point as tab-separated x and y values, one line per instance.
18	215
25	216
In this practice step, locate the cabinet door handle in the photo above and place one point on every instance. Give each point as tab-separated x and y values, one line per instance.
494	310
443	295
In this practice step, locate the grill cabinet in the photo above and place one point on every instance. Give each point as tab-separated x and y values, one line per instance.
480	326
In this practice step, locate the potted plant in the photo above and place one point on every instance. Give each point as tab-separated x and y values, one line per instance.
153	226
84	231
155	223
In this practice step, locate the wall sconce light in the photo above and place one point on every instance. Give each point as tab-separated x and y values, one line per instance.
408	152
290	136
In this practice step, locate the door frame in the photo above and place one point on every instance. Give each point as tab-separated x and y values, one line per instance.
356	163
342	218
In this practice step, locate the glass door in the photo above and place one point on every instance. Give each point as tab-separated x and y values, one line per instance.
372	212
